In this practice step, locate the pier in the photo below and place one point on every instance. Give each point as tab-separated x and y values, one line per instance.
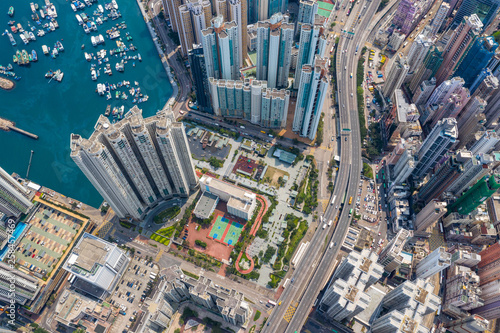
8	125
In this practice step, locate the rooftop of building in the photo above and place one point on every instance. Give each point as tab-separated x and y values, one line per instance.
205	204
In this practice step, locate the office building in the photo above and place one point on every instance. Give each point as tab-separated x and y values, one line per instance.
97	266
396	75
312	42
194	16
230	305
449	108
476	195
238	14
405	307
475	168
444	91
485	85
251	101
430	214
470	324
418	50
390	257
436	145
200	78
222	49
443	177
463	36
478	56
136	163
486	10
428	69
313	88
437	21
14	197
274	51
240	202
434	263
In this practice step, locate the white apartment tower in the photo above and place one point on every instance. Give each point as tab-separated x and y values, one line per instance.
434	263
238	13
136	162
430	214
13	196
418	51
396	75
312	42
274	51
222	49
438	20
313	88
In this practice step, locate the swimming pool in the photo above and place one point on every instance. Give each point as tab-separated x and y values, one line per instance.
16	234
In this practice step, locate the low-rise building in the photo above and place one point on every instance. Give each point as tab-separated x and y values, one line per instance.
240	202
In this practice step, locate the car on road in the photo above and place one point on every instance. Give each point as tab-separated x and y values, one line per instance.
352	95
332	138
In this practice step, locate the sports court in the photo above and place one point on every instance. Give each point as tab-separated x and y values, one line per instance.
325	8
225	230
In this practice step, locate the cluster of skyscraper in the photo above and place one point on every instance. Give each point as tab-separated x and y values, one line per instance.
136	163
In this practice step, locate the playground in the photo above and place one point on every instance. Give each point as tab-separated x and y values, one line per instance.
225	230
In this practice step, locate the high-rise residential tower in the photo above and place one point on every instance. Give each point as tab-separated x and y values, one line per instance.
274	51
436	145
461	39
313	88
222	49
430	214
136	162
14	199
439	18
391	257
418	51
396	75
435	262
312	42
238	14
486	10
194	16
200	78
428	68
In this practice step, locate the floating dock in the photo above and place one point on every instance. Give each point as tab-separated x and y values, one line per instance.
8	125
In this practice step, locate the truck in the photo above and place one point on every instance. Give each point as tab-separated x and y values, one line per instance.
350	213
351	75
333	200
380	76
331	245
330	223
324	226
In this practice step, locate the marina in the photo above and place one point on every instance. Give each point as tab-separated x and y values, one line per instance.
55	110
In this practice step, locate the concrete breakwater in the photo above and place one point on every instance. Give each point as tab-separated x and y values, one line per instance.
8	125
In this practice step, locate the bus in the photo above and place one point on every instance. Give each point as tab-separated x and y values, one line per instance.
333	200
271	303
286	283
350	200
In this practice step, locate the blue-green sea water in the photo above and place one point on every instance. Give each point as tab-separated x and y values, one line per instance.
55	110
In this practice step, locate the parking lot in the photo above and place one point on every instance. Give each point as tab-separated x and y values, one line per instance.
366	201
131	292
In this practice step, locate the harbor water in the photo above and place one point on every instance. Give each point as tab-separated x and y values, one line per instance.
53	110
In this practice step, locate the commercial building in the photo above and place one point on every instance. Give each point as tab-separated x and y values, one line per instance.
463	36
437	21
405	306
436	145
240	202
136	163
485	142
475	168
313	88
391	257
14	197
274	51
423	92
178	287
470	324
430	214
418	50
428	69
462	288
404	18
396	75
312	43
200	78
97	266
396	40
222	49
434	263
25	289
486	10
478	56
250	100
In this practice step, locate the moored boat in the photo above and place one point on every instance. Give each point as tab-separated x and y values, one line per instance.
23	38
79	19
45	49
11	11
34	55
11	38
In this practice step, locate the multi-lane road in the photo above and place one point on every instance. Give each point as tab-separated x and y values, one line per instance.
311	274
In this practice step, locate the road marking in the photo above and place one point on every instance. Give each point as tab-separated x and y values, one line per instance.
290	311
158	256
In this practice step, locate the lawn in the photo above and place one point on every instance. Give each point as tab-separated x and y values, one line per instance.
167	214
163	235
